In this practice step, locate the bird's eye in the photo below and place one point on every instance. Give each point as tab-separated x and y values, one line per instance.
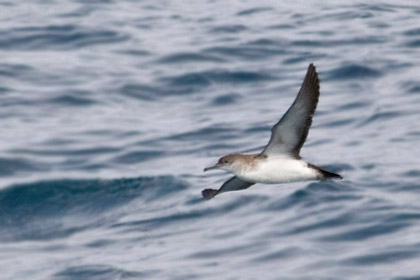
225	161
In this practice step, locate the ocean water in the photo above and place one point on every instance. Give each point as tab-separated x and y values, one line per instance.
110	110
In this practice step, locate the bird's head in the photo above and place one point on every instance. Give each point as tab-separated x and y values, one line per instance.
227	163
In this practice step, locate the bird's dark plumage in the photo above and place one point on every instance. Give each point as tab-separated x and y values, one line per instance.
233	184
290	133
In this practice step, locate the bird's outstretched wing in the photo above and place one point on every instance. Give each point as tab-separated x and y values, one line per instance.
233	184
289	134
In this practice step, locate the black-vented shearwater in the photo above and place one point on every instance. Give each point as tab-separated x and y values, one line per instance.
279	162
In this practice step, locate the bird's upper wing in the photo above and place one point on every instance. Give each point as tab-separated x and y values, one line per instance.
233	184
289	134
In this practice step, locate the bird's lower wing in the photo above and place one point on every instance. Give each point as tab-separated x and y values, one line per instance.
233	184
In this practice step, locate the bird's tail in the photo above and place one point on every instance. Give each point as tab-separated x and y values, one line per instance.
209	193
329	175
324	174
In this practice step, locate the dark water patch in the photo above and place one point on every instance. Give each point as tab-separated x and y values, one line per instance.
16	165
192	83
204	133
411	188
190	216
56	37
398	140
15	101
138	156
412	32
67	152
412	173
384	258
36	77
281	26
226	99
42	211
353	143
413	44
58	28
14	70
186	84
246	52
353	105
99	272
366	233
135	52
352	72
404	217
105	2
265	42
203	79
413	133
380	116
379	25
70	100
369	166
248	12
7	4
314	194
163	221
325	187
141	92
334	43
96	132
229	251
190	58
337	123
100	243
279	255
72	97
347	15
220	147
413	87
257	128
234	28
310	43
305	57
379	8
79	12
295	199
417	277
338	221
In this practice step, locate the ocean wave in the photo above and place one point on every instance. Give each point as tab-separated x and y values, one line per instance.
100	271
353	72
57	37
57	209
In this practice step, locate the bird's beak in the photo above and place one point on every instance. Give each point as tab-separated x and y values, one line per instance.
211	168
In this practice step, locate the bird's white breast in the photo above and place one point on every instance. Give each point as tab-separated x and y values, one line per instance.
278	169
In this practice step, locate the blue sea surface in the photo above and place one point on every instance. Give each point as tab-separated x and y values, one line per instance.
110	110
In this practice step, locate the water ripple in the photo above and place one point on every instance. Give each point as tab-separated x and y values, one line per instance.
56	37
353	72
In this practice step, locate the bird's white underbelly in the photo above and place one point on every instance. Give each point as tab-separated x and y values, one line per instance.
278	170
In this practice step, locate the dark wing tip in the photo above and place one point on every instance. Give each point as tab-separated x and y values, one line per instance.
209	193
311	79
309	94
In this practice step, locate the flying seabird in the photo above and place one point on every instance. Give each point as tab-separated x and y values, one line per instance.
279	162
